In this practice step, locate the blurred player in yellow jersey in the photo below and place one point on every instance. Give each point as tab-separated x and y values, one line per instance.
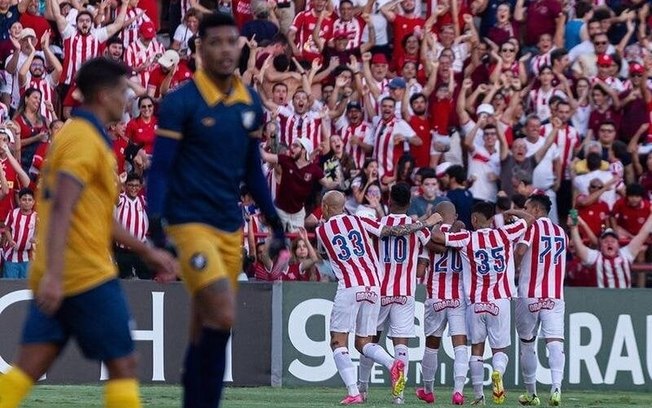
77	293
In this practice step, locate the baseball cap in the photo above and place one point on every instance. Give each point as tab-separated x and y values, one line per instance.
485	108
441	168
607	232
307	145
147	30
168	59
397	83
636	68
26	32
605	60
354	105
379	59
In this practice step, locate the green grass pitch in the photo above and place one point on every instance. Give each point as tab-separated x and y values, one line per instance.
170	396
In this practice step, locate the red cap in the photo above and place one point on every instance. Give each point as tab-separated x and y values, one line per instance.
636	68
379	59
605	60
147	30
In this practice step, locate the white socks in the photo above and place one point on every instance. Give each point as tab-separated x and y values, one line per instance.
346	369
378	354
364	369
499	362
401	353
556	360
460	367
476	366
528	358
429	368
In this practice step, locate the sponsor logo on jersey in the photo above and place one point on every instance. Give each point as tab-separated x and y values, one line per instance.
446	304
547	304
208	121
389	300
248	118
198	261
367	296
490	308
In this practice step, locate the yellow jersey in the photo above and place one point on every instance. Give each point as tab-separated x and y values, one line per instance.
82	151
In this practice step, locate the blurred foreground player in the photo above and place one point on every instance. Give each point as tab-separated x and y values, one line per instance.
207	145
77	293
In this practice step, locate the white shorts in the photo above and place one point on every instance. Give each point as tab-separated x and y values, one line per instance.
490	320
438	313
355	310
397	315
530	314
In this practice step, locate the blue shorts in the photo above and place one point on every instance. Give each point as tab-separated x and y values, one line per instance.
98	319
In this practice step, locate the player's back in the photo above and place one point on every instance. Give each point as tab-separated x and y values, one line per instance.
488	259
544	263
443	278
211	159
348	245
398	257
81	152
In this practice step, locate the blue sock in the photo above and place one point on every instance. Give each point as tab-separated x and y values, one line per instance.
212	359
191	378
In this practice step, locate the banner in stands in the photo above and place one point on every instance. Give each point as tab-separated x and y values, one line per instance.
160	318
608	341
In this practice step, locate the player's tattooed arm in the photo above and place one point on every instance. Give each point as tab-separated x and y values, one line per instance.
524	215
407	229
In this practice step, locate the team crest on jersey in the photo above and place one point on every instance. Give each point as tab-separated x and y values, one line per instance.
248	118
446	304
490	308
208	121
198	261
367	296
390	300
547	304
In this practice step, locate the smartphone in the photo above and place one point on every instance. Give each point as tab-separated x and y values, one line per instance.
573	216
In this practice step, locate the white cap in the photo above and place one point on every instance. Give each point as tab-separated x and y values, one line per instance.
307	145
485	108
27	32
168	59
442	167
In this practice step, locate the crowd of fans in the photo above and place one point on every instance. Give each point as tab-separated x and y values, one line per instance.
466	101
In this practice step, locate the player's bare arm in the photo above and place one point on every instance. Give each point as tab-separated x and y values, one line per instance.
67	191
529	219
407	229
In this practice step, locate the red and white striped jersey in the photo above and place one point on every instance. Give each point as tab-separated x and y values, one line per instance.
294	126
398	257
130	33
543	266
539	61
346	240
22	227
131	214
353	28
185	6
567	139
46	85
487	256
540	101
138	53
382	139
443	278
612	272
360	132
78	48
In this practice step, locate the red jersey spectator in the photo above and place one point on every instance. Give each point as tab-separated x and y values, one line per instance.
19	234
134	19
402	24
300	33
629	213
29	17
540	17
15	176
170	72
141	130
33	126
141	54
